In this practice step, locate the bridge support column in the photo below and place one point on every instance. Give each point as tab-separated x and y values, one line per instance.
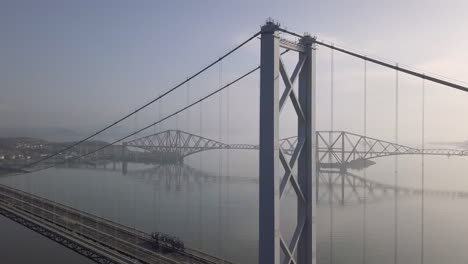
269	200
271	188
124	167
124	150
308	168
342	176
180	160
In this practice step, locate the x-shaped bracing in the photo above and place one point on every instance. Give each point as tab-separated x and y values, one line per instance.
288	177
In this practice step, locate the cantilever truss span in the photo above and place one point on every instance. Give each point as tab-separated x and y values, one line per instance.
182	143
345	146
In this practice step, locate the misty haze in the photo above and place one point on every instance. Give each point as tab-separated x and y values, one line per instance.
233	132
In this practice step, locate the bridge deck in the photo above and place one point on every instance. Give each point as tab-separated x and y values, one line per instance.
99	239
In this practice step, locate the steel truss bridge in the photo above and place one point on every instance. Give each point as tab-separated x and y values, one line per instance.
180	143
343	147
309	160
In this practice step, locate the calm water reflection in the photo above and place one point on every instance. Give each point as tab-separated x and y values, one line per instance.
219	214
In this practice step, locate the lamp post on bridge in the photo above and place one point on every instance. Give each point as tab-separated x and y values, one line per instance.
271	187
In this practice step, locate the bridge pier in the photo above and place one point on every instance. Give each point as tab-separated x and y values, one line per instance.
342	176
124	167
124	151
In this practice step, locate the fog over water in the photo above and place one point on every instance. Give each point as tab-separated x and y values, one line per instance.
68	70
219	214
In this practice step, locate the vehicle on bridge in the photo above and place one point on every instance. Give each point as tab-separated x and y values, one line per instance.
167	242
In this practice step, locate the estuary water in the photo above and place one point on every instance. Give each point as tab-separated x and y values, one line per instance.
214	208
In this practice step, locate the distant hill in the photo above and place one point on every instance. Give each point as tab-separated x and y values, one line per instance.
10	143
57	134
49	134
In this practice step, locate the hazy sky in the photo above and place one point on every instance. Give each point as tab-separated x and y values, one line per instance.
79	64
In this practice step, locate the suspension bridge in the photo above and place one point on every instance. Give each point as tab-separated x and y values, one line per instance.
305	159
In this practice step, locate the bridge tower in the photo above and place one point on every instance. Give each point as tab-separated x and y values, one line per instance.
271	241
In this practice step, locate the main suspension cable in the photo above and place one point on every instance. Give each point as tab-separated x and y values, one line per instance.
152	124
395	67
145	105
388	65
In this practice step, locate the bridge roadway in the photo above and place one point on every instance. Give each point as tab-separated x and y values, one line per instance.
94	237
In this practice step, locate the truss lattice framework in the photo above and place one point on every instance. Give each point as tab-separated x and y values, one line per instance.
181	143
346	147
288	165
